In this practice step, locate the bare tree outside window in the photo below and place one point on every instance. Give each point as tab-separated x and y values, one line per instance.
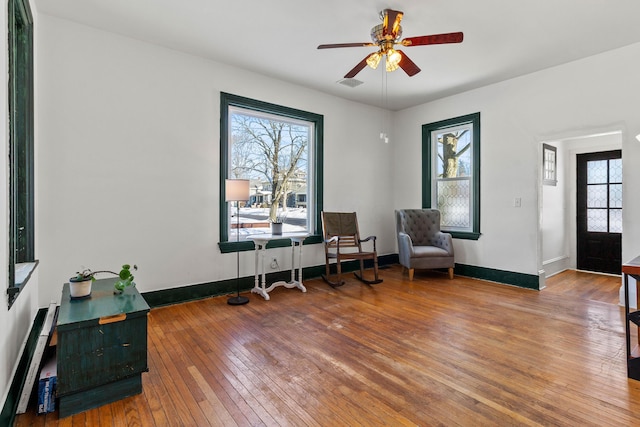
273	153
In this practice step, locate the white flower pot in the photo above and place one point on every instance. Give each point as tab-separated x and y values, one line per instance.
79	289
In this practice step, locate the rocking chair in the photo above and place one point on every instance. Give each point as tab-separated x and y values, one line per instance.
342	242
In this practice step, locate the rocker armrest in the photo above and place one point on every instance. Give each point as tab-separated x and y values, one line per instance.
370	238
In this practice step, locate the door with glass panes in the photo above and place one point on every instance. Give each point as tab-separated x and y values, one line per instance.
599	209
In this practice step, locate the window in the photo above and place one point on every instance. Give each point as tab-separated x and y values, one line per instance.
21	207
451	173
279	150
549	160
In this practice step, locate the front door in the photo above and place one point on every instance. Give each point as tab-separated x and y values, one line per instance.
599	233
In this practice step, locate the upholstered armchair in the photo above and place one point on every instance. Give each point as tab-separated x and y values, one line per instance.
421	244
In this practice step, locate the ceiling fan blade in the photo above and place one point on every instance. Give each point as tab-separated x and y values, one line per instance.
355	70
391	22
433	39
407	65
331	46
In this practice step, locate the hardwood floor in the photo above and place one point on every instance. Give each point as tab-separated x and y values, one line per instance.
585	286
429	352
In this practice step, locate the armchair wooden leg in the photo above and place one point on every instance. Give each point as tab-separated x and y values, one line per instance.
451	273
411	271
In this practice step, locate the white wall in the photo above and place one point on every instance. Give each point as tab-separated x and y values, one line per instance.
584	97
15	323
129	159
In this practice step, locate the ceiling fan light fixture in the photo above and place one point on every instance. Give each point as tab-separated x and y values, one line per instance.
374	59
393	60
385	36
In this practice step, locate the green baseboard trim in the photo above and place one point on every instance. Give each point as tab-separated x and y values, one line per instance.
8	414
521	280
227	287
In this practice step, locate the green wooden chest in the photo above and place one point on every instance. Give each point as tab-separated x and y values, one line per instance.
102	347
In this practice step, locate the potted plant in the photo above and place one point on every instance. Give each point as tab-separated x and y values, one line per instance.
80	284
276	223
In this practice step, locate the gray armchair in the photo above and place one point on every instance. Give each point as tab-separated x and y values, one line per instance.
421	244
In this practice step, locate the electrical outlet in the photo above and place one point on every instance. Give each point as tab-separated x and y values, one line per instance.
517	202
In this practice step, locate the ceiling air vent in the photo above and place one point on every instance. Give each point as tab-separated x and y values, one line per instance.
350	82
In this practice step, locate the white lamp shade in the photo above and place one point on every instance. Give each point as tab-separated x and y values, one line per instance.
236	189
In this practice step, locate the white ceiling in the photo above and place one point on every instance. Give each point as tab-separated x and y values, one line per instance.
278	38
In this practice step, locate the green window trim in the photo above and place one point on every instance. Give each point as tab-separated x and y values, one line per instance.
21	147
229	100
427	172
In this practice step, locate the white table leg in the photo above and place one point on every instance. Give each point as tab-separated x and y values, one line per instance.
300	268
256	281
293	261
260	289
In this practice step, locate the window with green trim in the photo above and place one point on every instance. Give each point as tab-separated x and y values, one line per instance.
451	173
279	150
20	90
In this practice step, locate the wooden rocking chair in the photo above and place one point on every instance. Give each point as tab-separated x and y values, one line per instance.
342	242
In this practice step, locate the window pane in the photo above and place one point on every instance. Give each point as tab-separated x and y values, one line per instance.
597	172
454	152
597	196
597	220
615	170
273	153
615	196
454	203
615	221
549	164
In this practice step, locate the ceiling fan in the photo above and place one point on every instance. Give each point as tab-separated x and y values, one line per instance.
385	36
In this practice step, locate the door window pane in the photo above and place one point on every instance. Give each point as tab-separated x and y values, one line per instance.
597	196
615	196
597	172
615	170
615	221
597	220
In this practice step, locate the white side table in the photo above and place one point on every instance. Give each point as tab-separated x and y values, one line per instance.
260	241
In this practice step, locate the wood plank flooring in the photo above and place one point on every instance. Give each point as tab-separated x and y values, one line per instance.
432	352
582	285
